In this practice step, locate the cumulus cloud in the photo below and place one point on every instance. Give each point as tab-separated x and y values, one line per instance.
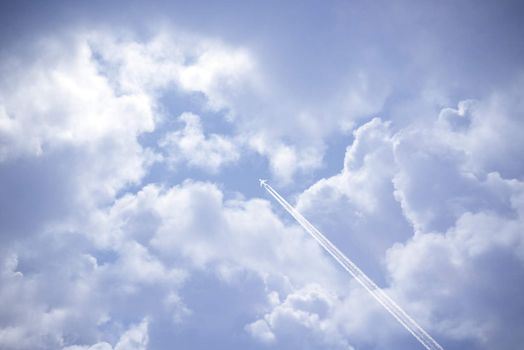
71	119
193	221
94	298
62	135
459	213
303	320
92	257
467	236
71	126
69	142
135	338
231	82
61	100
142	251
462	158
191	146
357	208
193	63
234	84
285	160
482	256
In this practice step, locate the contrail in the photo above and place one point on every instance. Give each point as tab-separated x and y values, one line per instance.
420	334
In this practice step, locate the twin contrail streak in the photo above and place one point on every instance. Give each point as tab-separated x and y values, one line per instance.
420	334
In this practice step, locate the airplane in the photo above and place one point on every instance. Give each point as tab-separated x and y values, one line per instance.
263	182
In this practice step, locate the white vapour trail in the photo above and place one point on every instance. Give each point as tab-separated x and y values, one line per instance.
420	334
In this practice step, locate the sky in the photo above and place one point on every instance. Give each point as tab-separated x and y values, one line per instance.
133	135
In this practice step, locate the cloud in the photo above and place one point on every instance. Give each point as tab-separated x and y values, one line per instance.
95	294
62	91
467	239
303	319
71	119
240	243
454	165
62	136
135	338
285	160
72	123
192	147
356	208
454	214
144	251
478	255
430	204
167	59
231	83
195	223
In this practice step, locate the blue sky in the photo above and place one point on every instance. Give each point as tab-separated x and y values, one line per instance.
132	135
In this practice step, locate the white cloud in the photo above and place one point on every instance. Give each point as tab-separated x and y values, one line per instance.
286	160
232	81
368	165
69	124
29	323
193	63
142	251
481	255
62	100
194	222
97	346
79	111
356	208
192	147
219	72
290	134
70	119
465	205
261	331
303	320
446	168
93	302
65	134
461	260
135	338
